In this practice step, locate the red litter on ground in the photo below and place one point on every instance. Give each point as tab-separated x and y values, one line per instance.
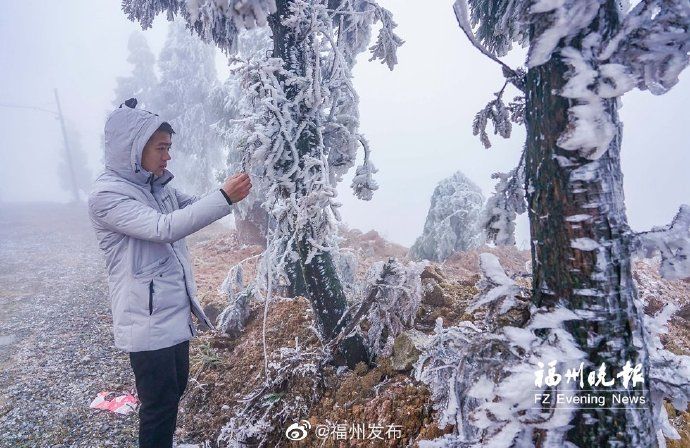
115	402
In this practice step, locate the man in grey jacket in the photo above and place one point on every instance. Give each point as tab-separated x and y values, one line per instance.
140	223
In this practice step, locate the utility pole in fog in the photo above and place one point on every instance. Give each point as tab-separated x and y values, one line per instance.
68	154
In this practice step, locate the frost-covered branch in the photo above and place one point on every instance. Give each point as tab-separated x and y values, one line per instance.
649	50
363	183
503	207
214	21
500	115
285	109
483	383
461	14
495	286
392	296
672	242
653	44
387	42
669	374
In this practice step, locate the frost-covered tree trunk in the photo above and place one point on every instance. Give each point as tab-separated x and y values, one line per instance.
317	279
580	253
583	55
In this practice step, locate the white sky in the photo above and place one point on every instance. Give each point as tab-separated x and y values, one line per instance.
417	118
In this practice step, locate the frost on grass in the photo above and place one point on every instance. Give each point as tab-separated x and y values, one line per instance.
396	290
452	223
672	242
293	385
502	208
483	382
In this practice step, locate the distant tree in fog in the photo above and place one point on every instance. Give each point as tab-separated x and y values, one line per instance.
142	82
184	97
453	218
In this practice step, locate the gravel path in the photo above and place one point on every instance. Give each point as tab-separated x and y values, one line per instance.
56	346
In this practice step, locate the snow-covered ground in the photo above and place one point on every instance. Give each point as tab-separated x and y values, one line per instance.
56	350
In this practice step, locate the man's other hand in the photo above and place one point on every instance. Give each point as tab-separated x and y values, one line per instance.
237	186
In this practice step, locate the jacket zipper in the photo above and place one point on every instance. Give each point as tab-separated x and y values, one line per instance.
151	297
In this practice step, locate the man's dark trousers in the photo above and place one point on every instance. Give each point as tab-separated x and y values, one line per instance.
161	378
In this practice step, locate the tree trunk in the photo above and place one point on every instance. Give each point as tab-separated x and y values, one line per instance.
597	281
252	228
317	280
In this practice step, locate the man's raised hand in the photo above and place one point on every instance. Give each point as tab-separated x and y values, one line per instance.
237	186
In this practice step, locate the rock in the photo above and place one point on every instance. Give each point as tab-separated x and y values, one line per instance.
407	348
371	235
435	272
433	293
234	317
212	311
684	312
517	316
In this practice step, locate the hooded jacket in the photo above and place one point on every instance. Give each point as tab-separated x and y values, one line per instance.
140	223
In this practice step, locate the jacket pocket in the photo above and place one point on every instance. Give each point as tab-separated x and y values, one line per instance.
151	269
151	297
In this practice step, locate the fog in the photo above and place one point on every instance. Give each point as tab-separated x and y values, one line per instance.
417	117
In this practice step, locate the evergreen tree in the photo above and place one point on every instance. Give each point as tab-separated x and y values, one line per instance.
184	97
583	55
452	223
141	83
304	131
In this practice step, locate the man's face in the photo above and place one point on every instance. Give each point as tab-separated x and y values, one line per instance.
156	153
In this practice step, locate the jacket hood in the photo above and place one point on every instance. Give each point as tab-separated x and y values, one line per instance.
126	132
